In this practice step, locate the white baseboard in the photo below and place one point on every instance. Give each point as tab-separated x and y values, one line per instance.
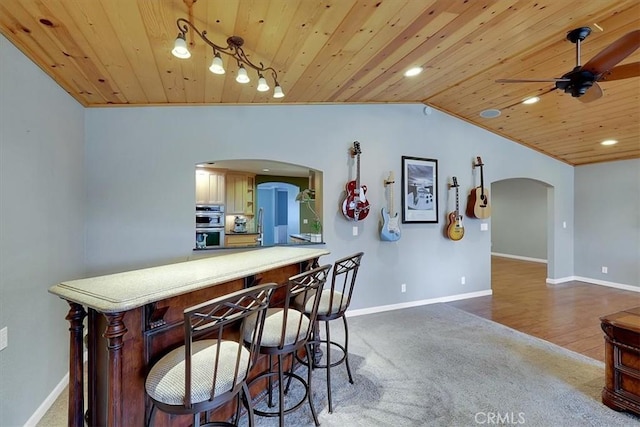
48	402
522	258
594	282
380	309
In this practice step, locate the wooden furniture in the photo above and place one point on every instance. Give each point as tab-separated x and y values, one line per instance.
240	239
622	360
135	317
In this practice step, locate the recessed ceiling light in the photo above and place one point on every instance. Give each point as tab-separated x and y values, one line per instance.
413	71
265	170
490	113
609	142
531	100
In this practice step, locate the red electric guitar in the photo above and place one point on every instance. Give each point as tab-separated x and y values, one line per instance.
355	206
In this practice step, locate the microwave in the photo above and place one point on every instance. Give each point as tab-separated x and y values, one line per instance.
209	238
208	216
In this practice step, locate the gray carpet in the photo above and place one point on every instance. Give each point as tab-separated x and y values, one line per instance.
436	365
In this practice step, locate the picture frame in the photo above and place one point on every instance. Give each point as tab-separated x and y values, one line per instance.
419	190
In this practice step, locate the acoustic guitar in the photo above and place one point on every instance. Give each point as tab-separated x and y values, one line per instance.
390	231
478	201
455	229
355	206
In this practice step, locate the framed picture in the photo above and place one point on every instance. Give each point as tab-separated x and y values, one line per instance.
419	190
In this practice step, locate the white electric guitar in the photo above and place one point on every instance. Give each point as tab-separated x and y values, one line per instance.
390	231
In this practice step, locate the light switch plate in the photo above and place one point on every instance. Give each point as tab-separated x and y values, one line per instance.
4	338
355	230
484	226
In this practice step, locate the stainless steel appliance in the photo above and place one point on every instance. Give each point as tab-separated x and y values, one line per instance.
209	226
240	224
208	216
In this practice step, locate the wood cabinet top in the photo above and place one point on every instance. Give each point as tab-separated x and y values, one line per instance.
627	319
128	290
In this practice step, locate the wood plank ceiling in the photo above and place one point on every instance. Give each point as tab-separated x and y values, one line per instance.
117	52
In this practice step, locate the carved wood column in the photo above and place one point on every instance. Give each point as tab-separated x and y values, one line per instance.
114	333
76	372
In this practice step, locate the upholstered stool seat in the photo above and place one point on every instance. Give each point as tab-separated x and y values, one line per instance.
297	326
166	380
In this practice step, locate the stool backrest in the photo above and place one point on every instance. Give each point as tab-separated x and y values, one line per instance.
343	280
308	287
221	320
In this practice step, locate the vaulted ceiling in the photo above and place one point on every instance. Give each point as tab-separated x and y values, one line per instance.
118	52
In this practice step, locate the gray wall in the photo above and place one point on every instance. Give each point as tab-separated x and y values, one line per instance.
608	222
519	218
140	160
42	197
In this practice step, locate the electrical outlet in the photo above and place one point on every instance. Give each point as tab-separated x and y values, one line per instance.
403	287
463	280
4	338
484	226
305	221
355	230
605	270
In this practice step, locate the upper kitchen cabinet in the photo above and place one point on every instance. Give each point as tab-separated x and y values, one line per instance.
210	187
240	188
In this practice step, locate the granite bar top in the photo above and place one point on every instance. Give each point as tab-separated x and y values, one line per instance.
128	290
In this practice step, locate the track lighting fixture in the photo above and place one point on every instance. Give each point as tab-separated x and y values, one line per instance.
234	50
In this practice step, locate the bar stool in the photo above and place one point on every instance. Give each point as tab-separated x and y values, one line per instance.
286	332
211	369
333	305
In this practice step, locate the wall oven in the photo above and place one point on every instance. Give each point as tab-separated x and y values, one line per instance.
209	226
208	216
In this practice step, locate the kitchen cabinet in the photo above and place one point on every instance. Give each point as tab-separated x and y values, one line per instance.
245	239
210	187
240	189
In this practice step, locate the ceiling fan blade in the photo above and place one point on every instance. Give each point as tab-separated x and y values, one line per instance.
614	53
621	72
593	93
530	80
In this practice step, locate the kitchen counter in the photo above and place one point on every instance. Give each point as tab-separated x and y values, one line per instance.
132	289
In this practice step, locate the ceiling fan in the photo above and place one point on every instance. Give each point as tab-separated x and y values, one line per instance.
582	81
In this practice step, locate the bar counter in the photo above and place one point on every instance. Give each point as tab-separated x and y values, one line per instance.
135	316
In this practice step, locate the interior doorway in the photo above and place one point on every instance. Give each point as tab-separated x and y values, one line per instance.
281	212
522	221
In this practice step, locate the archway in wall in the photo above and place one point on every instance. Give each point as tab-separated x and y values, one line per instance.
522	225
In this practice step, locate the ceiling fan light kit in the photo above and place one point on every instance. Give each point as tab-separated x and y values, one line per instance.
583	80
234	50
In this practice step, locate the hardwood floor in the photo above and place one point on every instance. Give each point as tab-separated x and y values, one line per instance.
567	314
